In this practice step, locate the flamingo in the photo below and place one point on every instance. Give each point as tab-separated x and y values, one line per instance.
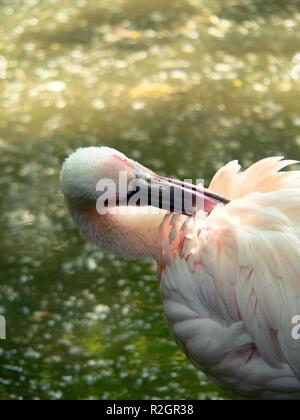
229	273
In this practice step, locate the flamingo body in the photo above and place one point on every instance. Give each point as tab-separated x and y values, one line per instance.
229	277
230	281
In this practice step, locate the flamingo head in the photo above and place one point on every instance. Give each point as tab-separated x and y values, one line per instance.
93	173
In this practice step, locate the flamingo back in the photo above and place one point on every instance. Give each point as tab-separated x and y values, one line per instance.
230	281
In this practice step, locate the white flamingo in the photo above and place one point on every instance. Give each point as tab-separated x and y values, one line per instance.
229	276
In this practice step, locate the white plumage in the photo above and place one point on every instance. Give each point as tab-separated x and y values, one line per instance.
230	279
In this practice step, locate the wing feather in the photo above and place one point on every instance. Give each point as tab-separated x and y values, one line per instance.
263	176
241	264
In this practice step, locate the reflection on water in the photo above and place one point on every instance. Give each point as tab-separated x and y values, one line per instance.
178	84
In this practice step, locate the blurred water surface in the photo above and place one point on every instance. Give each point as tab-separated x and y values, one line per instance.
182	85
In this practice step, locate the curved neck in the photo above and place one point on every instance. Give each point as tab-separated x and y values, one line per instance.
132	234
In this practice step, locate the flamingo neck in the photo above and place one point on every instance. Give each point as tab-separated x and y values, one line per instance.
131	234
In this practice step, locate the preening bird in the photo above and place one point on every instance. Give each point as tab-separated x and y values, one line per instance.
229	272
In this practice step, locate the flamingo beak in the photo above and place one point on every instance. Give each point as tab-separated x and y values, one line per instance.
177	196
188	199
